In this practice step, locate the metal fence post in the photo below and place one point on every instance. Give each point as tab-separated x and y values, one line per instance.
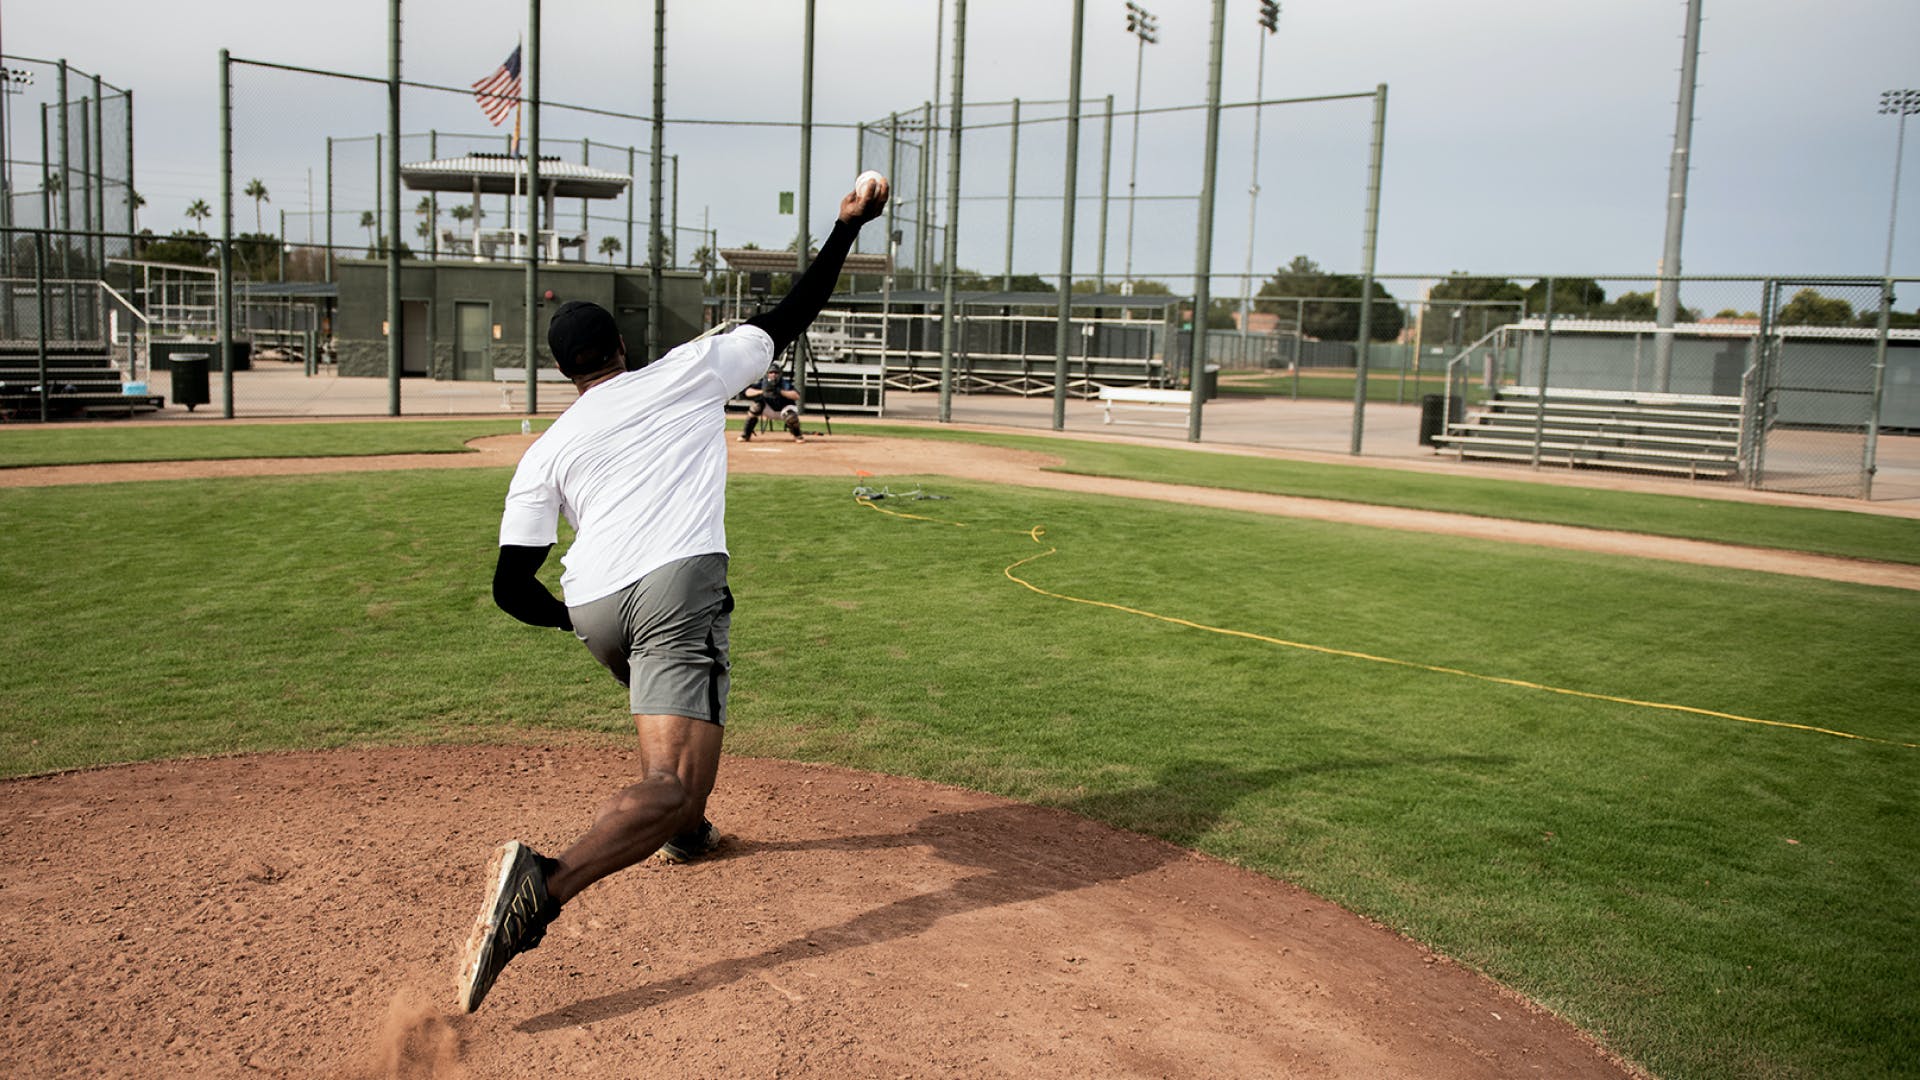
433	199
1013	182
1769	295
40	309
396	324
655	281
1106	177
530	337
224	314
100	180
800	258
329	256
1366	257
1065	320
947	327
923	241
632	191
1540	401
66	202
1871	463
1203	258
673	217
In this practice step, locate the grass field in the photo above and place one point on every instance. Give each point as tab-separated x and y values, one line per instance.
91	444
1712	898
1828	532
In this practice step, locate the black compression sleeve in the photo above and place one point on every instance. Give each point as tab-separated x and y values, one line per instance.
520	594
795	312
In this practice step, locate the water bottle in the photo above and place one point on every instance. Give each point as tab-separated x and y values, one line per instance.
526	427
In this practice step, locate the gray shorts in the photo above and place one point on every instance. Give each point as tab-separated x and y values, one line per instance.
665	638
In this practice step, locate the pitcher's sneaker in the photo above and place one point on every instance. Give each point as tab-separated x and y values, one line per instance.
701	840
513	918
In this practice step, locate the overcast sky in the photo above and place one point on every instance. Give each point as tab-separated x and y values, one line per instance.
1523	136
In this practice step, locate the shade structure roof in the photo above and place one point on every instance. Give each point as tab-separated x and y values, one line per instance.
781	262
503	174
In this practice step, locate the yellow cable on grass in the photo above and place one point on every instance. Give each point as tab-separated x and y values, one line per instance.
1037	532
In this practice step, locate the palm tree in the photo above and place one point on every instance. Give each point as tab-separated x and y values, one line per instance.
256	191
139	201
199	211
609	246
366	222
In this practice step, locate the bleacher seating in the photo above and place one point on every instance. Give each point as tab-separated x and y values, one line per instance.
83	380
1695	435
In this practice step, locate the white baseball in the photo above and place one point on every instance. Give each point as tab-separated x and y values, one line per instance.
866	181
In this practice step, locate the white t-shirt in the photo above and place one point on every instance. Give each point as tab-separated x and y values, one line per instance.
638	465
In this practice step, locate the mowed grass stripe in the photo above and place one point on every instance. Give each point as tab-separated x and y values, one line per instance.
81	444
1840	531
1630	869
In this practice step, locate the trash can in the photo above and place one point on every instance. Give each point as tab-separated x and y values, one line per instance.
1436	412
189	371
1209	381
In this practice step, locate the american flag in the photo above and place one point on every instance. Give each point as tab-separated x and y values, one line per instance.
499	92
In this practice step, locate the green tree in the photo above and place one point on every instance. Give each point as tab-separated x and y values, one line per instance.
1573	298
1337	317
199	211
257	191
366	222
609	246
182	248
1460	323
1635	306
1808	308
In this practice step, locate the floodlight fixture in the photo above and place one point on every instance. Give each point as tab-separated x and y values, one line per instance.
1270	15
1142	23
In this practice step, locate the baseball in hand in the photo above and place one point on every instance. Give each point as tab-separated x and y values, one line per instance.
866	182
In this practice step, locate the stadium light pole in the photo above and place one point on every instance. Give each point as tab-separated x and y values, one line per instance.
1064	320
1269	22
1669	306
1901	104
1203	259
1145	26
948	327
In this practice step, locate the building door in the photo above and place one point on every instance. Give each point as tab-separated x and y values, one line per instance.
416	344
472	338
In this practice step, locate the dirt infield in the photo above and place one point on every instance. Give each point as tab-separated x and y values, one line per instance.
298	915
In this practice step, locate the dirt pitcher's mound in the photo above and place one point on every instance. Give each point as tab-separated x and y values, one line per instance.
298	915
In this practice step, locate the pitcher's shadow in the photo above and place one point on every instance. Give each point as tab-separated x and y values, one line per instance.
1024	852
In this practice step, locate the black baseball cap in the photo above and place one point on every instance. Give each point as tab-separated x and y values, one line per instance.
582	337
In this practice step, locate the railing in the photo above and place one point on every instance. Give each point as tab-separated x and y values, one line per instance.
139	333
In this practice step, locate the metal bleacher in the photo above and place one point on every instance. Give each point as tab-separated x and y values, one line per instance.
83	381
1693	435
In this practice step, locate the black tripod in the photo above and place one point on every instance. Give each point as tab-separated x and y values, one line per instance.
802	353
